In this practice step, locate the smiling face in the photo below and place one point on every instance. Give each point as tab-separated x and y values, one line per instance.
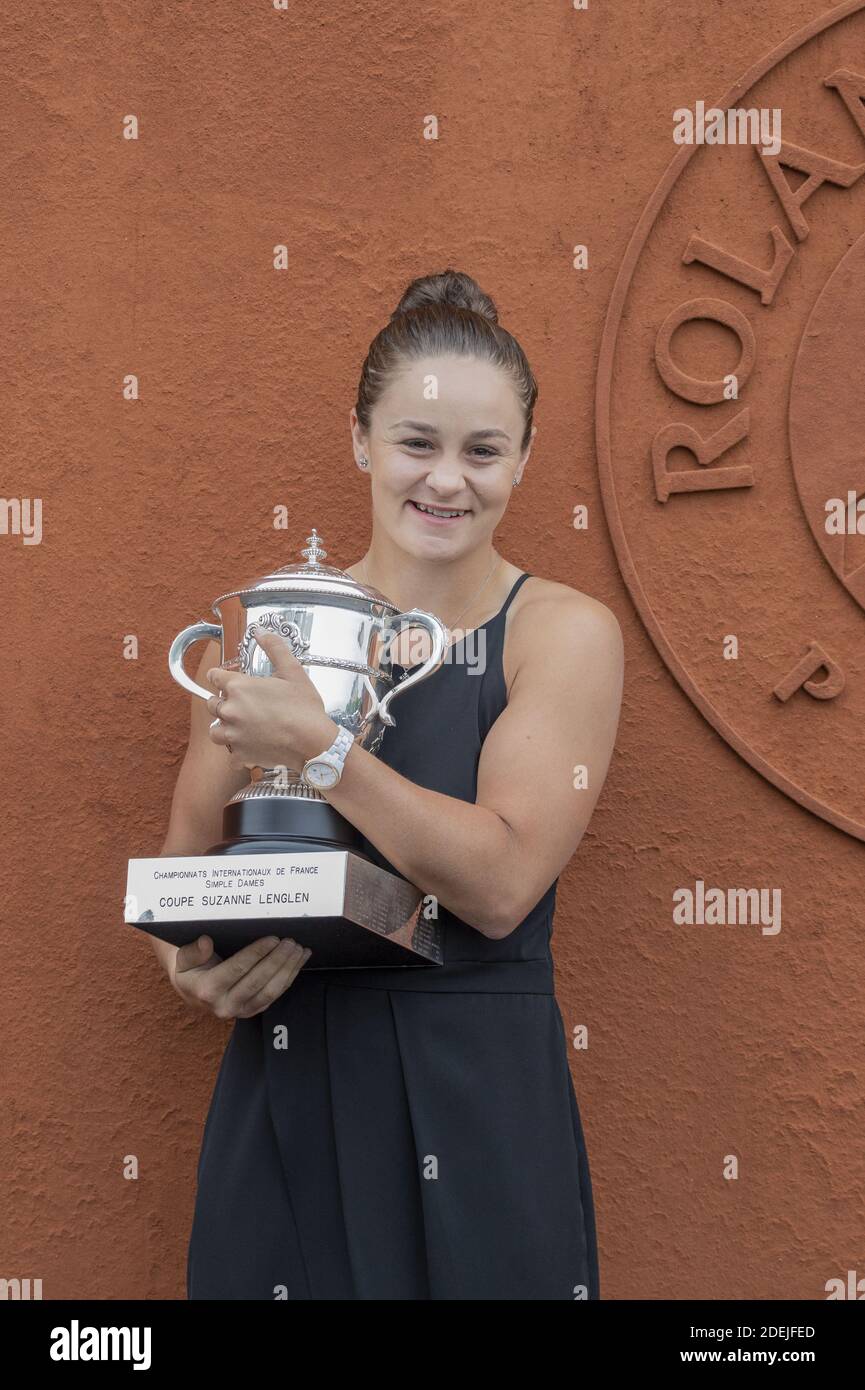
457	453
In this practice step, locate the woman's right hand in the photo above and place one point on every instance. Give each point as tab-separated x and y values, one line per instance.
243	985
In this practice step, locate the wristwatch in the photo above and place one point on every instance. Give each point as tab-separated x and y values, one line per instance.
324	771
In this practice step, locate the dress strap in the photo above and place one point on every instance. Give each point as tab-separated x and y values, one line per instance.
512	595
493	693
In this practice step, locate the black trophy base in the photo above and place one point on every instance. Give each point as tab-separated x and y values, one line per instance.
287	823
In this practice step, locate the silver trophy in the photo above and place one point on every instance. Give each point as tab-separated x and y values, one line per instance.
289	864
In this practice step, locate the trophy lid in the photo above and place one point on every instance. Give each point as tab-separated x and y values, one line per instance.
310	578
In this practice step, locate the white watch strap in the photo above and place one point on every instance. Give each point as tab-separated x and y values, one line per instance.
335	755
340	746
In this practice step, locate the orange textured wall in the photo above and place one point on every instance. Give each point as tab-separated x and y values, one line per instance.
154	256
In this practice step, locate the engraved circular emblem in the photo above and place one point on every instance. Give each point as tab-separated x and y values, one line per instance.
730	412
252	660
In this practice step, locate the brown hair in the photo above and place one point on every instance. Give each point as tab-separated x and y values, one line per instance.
438	315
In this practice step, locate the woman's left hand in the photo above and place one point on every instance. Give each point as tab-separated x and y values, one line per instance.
269	721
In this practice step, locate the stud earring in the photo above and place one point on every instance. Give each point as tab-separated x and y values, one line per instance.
363	461
516	482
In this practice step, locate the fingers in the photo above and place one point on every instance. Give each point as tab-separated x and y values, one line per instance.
257	977
221	678
258	990
228	972
278	984
194	954
222	733
247	982
277	650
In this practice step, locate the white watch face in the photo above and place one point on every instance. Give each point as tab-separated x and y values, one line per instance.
322	775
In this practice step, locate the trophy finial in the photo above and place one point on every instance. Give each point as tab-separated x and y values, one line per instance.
314	553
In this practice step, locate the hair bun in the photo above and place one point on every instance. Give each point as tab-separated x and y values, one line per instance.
449	287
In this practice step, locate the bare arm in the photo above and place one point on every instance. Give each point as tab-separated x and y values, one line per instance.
251	980
204	784
491	861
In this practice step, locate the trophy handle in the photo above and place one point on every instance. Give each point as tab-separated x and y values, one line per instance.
416	617
198	632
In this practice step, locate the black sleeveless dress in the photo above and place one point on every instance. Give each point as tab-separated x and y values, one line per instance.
406	1133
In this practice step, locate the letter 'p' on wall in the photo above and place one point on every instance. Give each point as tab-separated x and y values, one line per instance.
750	265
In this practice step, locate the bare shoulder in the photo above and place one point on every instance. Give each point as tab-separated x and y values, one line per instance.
547	599
553	620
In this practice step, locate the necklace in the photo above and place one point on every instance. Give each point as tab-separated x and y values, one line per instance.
465	605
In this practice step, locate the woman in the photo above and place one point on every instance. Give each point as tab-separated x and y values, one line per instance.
414	1134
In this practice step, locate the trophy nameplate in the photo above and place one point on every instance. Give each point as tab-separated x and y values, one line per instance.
347	910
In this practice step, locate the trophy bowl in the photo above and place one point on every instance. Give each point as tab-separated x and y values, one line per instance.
341	632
